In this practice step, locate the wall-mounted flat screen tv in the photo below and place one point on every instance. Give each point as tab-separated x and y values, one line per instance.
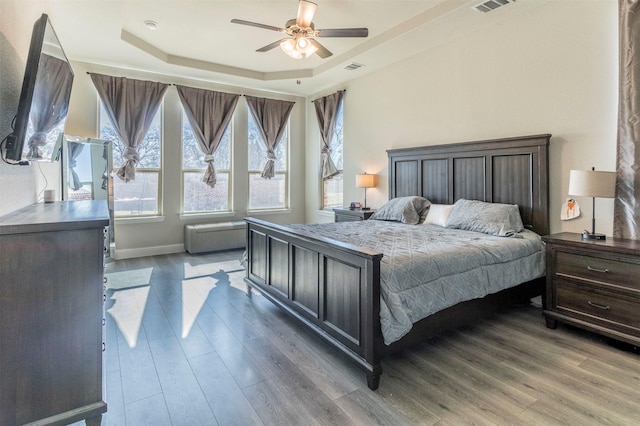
44	100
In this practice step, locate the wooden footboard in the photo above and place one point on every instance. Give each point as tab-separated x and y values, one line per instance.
332	287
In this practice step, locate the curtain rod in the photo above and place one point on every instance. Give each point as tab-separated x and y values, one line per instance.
343	90
168	84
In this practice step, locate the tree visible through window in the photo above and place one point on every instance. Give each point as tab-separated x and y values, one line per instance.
138	197
332	189
198	196
267	193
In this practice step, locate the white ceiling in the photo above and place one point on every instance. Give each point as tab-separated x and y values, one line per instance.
196	39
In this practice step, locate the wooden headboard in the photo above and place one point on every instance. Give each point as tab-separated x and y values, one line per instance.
511	170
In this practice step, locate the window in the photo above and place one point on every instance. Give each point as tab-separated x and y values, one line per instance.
267	193
332	188
139	197
198	196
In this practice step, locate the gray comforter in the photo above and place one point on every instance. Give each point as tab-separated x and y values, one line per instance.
427	268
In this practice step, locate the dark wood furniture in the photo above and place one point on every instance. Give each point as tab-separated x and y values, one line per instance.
51	313
333	288
594	285
348	215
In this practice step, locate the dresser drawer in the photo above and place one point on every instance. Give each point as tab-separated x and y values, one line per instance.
598	269
597	304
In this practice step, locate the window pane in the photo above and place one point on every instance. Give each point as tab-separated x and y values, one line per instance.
336	142
193	158
199	196
267	193
333	192
149	150
136	197
258	151
332	195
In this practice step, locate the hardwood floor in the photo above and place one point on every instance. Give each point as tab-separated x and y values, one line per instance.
186	346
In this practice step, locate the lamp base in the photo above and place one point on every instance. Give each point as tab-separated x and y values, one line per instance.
592	236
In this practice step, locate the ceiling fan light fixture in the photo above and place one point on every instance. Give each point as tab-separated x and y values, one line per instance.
302	43
298	47
288	46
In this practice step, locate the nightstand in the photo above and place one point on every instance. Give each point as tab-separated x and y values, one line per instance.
348	215
594	285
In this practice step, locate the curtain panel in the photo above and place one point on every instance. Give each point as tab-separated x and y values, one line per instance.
209	114
626	223
271	116
49	108
327	113
75	149
131	106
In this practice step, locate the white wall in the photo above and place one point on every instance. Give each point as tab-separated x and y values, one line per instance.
551	70
140	237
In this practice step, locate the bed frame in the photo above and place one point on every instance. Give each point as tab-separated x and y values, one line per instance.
333	288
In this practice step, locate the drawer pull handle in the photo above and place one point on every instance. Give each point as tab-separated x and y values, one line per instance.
597	305
605	271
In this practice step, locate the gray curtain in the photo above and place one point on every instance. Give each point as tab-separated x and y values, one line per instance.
75	148
209	114
271	116
327	113
626	223
131	106
49	101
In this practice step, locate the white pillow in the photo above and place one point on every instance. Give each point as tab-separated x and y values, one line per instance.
438	214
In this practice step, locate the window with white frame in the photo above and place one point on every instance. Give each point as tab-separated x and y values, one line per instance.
267	193
197	196
141	196
332	188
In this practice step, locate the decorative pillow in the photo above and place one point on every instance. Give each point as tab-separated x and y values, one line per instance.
502	220
438	214
408	210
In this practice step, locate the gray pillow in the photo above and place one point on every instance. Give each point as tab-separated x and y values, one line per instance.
502	220
408	210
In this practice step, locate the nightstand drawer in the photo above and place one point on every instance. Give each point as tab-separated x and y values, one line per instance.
598	269
597	304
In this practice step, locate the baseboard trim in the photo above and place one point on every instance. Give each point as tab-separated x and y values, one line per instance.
148	251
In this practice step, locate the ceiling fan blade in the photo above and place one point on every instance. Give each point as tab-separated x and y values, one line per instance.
255	24
343	32
270	46
322	51
306	10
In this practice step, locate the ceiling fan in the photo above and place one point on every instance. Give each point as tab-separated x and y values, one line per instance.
301	32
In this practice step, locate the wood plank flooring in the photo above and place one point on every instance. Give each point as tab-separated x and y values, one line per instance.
186	346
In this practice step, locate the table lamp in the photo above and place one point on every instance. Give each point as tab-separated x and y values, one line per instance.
365	181
592	183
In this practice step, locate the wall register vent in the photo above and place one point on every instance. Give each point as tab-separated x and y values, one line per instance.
491	5
353	66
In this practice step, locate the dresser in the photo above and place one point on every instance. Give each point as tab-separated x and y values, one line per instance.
51	313
594	285
348	215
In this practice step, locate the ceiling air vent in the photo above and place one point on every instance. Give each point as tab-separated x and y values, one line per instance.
491	5
353	66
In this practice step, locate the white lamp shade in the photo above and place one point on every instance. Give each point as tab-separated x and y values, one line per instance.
591	183
365	181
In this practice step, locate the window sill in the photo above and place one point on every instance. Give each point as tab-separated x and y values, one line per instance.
138	220
268	212
204	215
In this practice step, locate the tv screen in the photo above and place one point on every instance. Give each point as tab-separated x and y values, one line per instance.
44	100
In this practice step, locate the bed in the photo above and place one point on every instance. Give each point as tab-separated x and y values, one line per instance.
334	287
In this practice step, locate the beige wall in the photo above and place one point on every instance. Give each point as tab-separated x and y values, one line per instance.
551	70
